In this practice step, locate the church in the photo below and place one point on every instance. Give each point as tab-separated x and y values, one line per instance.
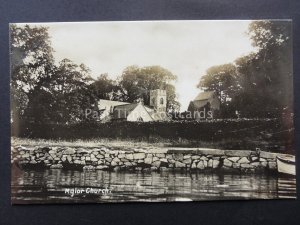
136	112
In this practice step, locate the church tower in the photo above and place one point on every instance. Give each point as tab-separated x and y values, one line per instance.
158	100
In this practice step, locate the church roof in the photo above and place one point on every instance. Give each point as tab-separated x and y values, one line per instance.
204	95
107	104
122	111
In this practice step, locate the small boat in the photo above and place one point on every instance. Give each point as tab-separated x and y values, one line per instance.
286	164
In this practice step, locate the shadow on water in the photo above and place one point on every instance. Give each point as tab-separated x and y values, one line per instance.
49	186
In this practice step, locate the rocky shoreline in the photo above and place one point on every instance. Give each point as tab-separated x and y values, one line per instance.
144	159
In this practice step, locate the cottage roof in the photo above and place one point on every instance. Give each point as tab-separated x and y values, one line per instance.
200	103
204	95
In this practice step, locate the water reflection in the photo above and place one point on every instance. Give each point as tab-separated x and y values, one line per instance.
48	186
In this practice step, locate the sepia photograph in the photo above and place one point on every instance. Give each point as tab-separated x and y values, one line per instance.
151	111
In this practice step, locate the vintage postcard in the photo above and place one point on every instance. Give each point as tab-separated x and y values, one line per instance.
151	111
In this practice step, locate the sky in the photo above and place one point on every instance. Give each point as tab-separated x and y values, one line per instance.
186	48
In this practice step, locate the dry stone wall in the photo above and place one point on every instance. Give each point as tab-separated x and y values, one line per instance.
146	159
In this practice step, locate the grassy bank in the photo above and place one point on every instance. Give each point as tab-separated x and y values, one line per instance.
114	143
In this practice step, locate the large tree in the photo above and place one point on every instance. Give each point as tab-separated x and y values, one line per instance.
43	92
32	63
258	84
137	82
106	88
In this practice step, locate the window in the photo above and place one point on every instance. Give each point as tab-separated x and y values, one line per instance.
161	101
140	119
153	101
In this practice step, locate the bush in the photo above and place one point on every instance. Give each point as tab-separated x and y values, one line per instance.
232	133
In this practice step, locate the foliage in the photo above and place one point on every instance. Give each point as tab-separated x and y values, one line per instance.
136	84
42	91
258	84
268	134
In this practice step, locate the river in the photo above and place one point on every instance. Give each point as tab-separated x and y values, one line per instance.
52	185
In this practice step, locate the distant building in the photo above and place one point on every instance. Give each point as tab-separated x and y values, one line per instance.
204	104
114	110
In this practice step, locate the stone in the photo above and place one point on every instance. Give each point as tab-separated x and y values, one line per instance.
200	165
272	165
26	155
52	151
215	163
244	160
56	166
160	155
210	163
69	151
178	157
164	160
129	156
188	156
82	151
114	163
108	159
69	158
164	168
208	151
128	164
262	160
99	156
195	157
268	155
155	158
227	163
156	164
205	163
171	161
204	158
187	161
169	156
117	168
153	168
179	164
264	164
101	167
89	168
239	153
246	165
116	159
255	164
233	159
148	160
139	155
88	158
254	158
121	156
76	161
236	165
194	165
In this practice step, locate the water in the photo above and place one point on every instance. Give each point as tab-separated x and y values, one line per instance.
49	186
